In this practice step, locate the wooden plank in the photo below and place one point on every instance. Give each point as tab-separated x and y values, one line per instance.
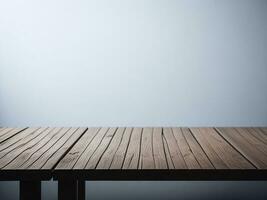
158	149
250	152
264	130
6	156
133	152
31	150
146	155
51	157
133	148
60	132
188	155
200	155
108	156
257	132
74	154
120	154
217	162
90	149
232	158
19	139
258	144
3	131
66	133
10	134
168	155
93	161
175	153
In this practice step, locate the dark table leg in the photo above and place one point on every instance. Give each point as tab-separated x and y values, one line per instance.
81	190
30	190
71	189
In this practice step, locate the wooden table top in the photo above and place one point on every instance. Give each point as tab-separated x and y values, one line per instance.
134	153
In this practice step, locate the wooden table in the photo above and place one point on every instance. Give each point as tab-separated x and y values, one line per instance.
73	155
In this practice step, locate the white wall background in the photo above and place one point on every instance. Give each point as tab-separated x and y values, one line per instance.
134	62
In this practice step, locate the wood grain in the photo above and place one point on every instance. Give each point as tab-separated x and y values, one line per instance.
120	154
135	149
133	152
233	136
175	152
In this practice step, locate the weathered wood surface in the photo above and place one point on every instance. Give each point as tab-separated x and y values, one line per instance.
37	148
149	148
168	148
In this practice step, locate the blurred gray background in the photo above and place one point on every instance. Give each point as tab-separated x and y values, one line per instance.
135	63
